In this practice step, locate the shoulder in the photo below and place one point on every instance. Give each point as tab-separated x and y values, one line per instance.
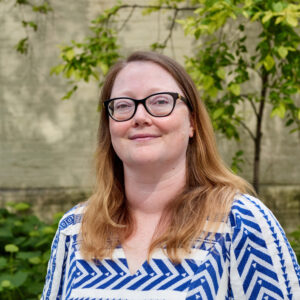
71	220
259	251
247	210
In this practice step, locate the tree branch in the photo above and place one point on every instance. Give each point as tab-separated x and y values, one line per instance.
164	44
245	127
134	6
252	104
184	8
127	19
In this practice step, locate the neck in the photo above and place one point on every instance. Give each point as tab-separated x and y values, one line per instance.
149	191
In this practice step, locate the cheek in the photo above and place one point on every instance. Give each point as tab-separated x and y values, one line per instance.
117	131
180	135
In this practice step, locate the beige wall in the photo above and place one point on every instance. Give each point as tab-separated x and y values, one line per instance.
47	145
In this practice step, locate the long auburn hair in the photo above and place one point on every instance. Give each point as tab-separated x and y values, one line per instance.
208	193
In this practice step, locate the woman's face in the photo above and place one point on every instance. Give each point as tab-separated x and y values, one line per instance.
145	140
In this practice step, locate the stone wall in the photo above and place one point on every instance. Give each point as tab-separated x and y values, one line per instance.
47	145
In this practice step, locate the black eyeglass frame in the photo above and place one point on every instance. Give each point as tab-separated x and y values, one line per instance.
176	96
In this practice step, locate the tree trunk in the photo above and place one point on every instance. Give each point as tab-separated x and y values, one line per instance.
258	135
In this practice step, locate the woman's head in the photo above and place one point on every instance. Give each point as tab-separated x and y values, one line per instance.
210	186
199	144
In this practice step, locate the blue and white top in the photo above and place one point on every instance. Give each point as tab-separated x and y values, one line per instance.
250	259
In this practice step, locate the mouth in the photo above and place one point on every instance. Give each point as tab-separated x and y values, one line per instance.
143	137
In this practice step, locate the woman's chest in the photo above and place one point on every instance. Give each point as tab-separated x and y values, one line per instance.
200	272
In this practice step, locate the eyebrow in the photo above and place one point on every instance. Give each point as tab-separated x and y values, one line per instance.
129	93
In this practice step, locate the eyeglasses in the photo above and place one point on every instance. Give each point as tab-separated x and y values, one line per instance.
157	105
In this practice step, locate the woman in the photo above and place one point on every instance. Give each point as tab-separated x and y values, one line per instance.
167	219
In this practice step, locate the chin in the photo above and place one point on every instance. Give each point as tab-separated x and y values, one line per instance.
144	160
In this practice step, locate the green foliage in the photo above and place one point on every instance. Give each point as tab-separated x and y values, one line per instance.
91	58
224	64
22	46
25	244
294	238
237	161
37	7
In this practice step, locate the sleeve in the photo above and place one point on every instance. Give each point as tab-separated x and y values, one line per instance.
262	262
56	267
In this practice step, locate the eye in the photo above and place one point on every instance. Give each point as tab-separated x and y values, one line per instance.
123	104
160	100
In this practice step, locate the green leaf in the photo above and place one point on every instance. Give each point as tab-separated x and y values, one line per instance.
6	284
217	113
221	73
289	122
212	92
268	15
22	46
208	81
35	260
291	20
104	67
19	278
282	51
69	93
230	110
239	153
5	233
48	230
279	111
21	206
269	62
43	9
11	248
248	3
278	6
279	20
235	89
256	16
34	233
57	69
70	54
3	263
27	255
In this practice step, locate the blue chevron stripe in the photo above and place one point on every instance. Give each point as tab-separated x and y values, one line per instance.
252	246
260	284
210	272
253	271
51	270
67	244
72	269
277	242
244	235
253	253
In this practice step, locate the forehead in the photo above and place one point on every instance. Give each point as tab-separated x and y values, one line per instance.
141	78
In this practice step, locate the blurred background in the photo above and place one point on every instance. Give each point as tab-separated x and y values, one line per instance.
243	55
47	144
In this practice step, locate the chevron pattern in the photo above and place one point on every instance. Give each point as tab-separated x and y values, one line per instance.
277	232
254	263
252	260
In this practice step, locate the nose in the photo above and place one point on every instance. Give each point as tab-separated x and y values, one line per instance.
141	116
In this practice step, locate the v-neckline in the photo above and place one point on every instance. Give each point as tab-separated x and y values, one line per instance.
144	264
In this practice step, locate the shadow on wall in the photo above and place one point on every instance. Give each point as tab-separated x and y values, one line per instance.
284	201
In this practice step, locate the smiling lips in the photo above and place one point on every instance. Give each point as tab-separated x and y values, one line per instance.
143	137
